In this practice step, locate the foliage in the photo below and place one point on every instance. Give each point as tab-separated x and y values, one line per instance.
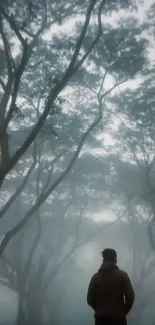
48	86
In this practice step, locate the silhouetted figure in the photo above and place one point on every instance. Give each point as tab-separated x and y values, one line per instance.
110	292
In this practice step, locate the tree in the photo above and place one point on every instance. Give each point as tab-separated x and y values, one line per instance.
14	79
43	89
134	156
31	273
137	141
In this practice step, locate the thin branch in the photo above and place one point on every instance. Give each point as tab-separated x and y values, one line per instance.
8	87
2	84
67	256
9	276
4	103
102	83
32	251
10	234
36	107
98	94
18	74
50	172
80	41
64	13
151	237
43	197
99	34
20	188
52	96
92	90
63	214
27	32
36	64
27	51
113	87
13	25
5	154
119	217
79	223
7	50
40	30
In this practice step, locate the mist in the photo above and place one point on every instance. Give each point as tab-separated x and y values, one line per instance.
77	162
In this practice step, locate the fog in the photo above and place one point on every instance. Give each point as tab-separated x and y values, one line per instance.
64	296
77	155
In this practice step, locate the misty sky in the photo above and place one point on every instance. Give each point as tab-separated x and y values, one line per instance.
85	257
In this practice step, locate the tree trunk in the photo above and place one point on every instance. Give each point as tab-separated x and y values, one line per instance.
35	313
21	315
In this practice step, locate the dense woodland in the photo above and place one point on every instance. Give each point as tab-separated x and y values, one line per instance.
77	154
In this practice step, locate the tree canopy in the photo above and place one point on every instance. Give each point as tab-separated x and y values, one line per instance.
76	140
53	86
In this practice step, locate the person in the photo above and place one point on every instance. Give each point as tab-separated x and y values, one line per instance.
110	292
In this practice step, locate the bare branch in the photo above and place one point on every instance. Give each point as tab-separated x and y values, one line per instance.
113	87
20	188
70	253
2	84
27	32
5	154
150	233
40	30
7	50
32	251
64	13
119	217
98	94
4	103
8	87
80	217
99	34
80	41
43	197
52	96
9	273
50	168
18	74
13	25
102	83
91	89
27	51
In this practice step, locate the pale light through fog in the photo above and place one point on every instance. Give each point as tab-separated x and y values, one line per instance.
103	201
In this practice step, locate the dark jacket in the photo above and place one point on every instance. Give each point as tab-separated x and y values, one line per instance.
110	292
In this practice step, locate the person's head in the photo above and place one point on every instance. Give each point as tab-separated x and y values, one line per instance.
109	255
